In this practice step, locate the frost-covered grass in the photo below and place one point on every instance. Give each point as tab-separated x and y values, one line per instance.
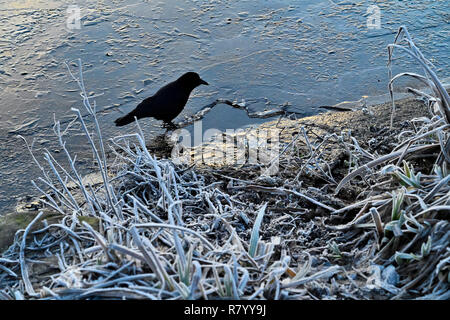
155	230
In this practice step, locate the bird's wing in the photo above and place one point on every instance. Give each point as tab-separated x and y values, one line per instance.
171	96
144	109
165	104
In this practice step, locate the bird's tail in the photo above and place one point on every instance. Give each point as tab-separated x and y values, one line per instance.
122	121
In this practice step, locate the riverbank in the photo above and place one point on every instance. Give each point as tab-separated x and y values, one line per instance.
271	51
290	226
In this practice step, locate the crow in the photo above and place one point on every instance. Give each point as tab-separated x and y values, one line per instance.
167	102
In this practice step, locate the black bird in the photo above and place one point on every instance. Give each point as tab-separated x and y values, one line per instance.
167	103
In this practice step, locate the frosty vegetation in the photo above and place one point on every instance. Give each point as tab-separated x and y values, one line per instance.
156	230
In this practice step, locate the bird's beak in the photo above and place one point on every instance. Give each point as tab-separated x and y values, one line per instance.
204	82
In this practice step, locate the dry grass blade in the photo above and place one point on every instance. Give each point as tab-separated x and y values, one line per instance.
23	267
255	231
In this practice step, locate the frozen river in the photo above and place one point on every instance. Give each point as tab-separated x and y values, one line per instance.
271	52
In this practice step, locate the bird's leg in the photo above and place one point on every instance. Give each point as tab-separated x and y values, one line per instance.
169	125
